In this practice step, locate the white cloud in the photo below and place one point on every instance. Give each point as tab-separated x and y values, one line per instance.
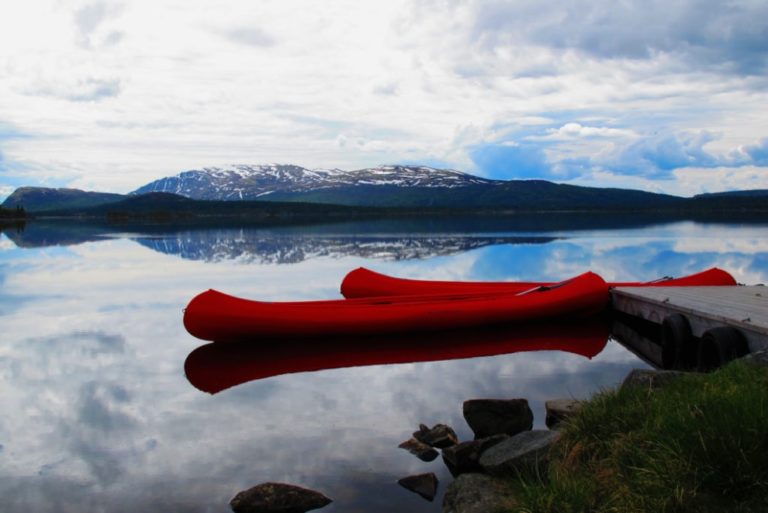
683	182
704	244
574	130
90	20
5	191
250	36
698	181
118	94
77	90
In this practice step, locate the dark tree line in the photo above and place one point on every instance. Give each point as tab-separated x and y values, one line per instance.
13	213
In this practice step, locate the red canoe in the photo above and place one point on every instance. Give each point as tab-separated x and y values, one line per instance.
216	367
219	317
364	283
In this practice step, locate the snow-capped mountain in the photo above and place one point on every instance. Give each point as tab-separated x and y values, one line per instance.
243	182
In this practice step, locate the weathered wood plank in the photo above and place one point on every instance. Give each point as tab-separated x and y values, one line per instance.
745	308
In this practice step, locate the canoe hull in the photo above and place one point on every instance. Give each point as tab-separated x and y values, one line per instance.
364	283
219	317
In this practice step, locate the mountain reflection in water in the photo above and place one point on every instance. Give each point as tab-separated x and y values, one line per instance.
388	238
272	245
102	418
219	246
217	366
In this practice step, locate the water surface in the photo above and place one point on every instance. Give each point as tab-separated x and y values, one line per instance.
98	414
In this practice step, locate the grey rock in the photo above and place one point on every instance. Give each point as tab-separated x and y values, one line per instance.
440	436
758	358
419	449
422	484
524	451
465	456
560	409
651	379
477	493
488	417
277	498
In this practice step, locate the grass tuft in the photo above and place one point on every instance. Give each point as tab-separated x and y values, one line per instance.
697	445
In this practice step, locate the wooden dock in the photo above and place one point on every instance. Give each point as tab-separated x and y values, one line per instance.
740	307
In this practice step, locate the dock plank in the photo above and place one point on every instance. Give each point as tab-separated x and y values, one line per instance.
742	307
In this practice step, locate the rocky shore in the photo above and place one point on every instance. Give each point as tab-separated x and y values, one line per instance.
504	443
504	446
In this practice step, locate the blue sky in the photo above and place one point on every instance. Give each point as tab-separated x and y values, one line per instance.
109	95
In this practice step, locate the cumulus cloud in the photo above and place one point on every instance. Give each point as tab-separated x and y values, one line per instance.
387	88
89	89
757	154
576	130
251	37
118	94
90	20
601	155
5	190
9	167
689	181
728	37
658	155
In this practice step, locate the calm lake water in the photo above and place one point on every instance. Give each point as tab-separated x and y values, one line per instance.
98	414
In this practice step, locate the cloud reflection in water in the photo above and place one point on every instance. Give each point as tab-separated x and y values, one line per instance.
99	415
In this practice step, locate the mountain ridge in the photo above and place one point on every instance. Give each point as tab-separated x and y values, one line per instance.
42	199
211	190
745	193
248	182
392	186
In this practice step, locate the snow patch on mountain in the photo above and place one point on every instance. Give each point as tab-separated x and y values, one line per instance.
243	182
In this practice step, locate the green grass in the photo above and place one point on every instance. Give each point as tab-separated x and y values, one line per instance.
698	445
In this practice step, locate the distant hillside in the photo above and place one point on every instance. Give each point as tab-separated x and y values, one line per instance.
396	187
733	201
246	190
167	206
516	194
12	213
751	193
242	182
42	199
172	207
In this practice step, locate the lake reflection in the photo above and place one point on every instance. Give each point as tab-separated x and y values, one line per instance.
217	366
99	415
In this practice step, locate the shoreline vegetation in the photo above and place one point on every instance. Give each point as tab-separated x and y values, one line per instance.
262	196
697	444
165	207
13	214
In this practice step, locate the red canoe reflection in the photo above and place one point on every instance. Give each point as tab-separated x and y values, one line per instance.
216	367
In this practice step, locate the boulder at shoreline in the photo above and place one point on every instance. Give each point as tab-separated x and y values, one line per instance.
526	450
465	456
419	449
477	493
560	409
488	417
440	436
278	498
423	484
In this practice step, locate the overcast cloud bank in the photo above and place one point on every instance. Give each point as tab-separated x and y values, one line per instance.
111	95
